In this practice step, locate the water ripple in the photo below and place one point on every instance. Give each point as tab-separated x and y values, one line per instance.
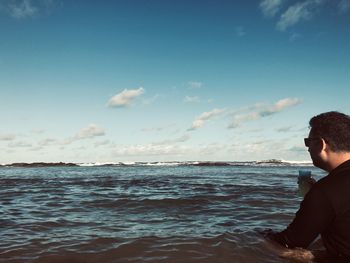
143	214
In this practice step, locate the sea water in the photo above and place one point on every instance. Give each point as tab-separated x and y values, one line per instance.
145	213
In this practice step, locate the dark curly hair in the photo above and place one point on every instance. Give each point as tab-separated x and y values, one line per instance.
334	128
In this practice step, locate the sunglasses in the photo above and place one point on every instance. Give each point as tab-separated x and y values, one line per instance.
307	141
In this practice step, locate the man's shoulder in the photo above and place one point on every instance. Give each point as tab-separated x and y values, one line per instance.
336	183
339	174
344	168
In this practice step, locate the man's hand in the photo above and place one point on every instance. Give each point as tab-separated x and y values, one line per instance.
305	183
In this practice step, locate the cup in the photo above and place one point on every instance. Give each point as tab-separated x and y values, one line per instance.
305	173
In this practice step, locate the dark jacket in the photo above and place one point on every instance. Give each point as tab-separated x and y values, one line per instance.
325	210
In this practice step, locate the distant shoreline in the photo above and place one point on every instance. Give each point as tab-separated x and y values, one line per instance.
271	162
38	164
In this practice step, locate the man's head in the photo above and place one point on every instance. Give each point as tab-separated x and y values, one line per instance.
329	136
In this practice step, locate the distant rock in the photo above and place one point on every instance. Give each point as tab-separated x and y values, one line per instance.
40	164
274	161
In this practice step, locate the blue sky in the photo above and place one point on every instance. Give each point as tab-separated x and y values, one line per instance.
109	81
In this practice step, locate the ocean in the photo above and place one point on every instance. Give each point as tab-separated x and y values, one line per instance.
147	212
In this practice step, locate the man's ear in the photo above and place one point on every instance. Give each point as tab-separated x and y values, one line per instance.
325	146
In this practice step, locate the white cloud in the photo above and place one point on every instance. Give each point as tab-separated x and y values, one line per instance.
86	133
22	9
343	6
211	149
36	149
155	129
194	84
270	7
265	149
89	132
7	137
125	98
48	141
282	104
168	152
151	150
159	129
180	139
102	143
19	144
298	149
262	110
285	129
298	12
190	99
205	116
38	131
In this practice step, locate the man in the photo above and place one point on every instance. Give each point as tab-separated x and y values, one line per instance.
325	209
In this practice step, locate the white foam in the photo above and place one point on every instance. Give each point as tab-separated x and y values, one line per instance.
164	164
298	162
